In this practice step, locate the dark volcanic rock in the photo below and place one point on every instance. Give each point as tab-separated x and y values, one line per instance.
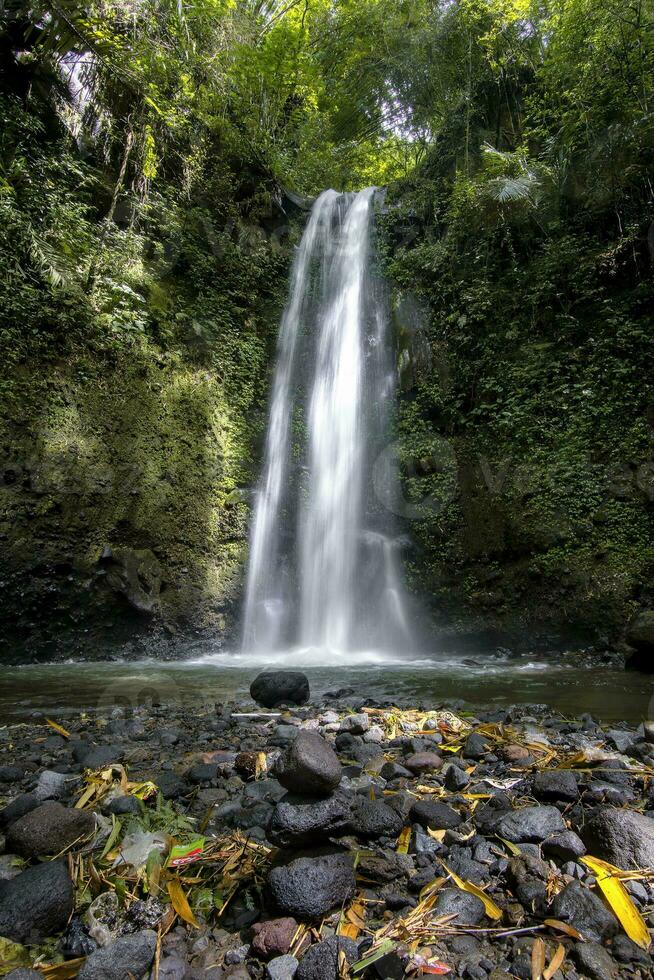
374	818
297	822
469	909
320	962
127	957
595	962
531	824
37	903
438	816
273	937
567	846
49	829
584	911
18	808
621	837
309	766
555	785
275	687
309	887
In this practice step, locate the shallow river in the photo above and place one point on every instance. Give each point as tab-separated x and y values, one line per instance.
69	688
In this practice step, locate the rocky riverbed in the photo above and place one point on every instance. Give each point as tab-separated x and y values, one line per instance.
288	837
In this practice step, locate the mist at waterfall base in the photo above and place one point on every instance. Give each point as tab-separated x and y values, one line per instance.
324	581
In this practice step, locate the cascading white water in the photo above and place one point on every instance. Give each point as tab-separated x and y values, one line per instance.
323	572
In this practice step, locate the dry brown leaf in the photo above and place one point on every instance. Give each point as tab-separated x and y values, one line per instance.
555	963
564	928
537	959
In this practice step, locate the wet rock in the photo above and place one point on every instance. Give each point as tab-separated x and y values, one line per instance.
621	837
127	957
469	909
531	824
37	903
567	846
555	785
275	687
282	968
438	816
420	762
10	774
202	772
585	912
49	830
309	887
595	962
297	822
273	937
374	818
309	767
320	962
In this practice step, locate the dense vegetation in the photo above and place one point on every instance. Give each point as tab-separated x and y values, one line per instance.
149	156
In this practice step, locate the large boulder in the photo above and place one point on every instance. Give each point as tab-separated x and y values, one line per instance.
275	687
36	904
640	636
621	837
309	767
309	887
125	958
298	822
49	829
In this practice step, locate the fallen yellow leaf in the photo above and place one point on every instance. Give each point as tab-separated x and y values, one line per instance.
180	903
493	911
58	728
403	841
620	901
537	959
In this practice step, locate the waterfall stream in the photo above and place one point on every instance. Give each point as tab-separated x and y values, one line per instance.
323	572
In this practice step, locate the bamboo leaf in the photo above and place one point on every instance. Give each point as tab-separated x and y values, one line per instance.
493	911
403	841
60	730
382	950
180	903
620	901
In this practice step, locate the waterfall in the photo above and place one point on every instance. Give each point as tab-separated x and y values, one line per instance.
323	571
